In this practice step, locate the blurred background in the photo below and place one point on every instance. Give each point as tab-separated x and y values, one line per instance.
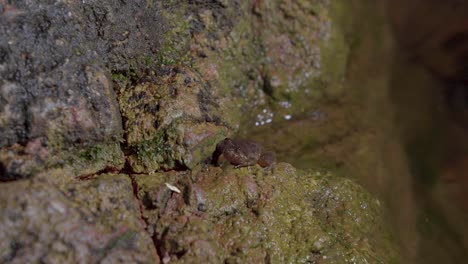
429	91
401	121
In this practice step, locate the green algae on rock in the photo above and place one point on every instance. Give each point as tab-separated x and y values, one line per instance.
171	122
251	215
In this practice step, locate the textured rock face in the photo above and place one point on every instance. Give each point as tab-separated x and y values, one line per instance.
104	103
172	122
247	215
55	88
253	215
167	85
95	221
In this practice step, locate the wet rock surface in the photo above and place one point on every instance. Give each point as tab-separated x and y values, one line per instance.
246	215
172	122
252	215
55	84
94	221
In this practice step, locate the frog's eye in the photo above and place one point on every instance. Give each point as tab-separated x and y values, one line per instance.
201	207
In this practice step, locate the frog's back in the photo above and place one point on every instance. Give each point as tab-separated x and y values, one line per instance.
243	152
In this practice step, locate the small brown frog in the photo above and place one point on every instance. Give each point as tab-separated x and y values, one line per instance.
243	152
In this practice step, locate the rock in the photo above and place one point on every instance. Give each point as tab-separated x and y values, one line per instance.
55	86
248	215
94	221
173	122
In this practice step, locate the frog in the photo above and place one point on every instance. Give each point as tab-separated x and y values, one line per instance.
243	153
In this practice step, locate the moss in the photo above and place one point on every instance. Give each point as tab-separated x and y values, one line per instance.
91	159
174	50
285	216
119	77
307	217
321	216
151	155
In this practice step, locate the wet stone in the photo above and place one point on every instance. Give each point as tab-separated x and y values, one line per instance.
83	222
